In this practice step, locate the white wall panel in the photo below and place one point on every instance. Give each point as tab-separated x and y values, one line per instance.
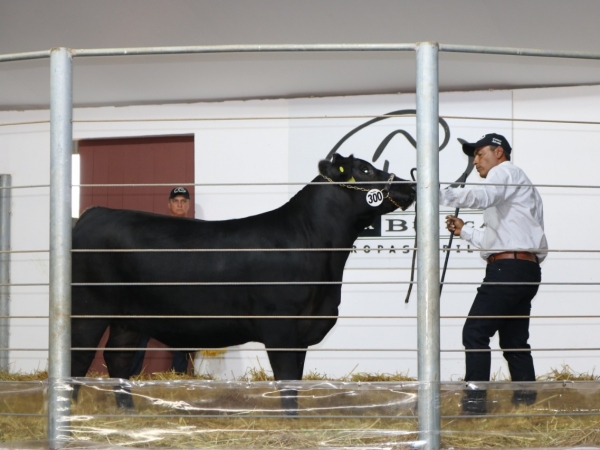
282	150
556	153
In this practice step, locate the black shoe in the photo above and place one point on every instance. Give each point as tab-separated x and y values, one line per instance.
474	403
523	397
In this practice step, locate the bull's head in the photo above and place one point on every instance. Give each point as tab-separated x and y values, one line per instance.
351	170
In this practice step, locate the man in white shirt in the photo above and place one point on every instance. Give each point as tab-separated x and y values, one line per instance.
513	243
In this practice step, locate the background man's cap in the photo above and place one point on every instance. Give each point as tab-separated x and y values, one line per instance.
179	191
488	139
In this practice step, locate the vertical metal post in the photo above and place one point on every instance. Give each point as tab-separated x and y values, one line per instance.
61	141
428	238
5	182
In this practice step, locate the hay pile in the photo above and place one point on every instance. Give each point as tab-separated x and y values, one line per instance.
180	411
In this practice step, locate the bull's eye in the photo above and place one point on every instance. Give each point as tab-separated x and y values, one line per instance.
365	170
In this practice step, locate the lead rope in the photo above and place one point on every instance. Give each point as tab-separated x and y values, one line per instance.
413	171
459	183
456	211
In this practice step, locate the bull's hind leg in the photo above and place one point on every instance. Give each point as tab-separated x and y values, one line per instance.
85	333
118	362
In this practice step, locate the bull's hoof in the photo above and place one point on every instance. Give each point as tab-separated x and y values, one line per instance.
289	402
75	393
291	412
124	400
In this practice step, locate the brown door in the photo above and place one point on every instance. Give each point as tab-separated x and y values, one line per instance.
169	160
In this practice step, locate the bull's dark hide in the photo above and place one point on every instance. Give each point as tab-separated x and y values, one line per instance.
319	216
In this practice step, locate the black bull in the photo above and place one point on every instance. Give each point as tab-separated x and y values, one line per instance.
319	216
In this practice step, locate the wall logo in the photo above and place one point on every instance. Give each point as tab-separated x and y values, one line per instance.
395	232
381	147
398	226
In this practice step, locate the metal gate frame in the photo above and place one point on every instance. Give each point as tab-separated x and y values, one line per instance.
428	294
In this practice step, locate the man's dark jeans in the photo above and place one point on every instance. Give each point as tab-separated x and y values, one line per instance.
502	300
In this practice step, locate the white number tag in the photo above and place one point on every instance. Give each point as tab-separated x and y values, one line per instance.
374	197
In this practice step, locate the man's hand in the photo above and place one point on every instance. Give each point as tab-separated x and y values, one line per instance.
454	224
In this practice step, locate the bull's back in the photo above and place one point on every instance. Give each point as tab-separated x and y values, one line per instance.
107	229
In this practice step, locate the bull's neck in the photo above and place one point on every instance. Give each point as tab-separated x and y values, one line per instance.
329	209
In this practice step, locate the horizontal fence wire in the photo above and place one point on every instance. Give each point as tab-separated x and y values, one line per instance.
312	416
26	186
316	283
300	183
302	349
310	283
254	118
190	415
32	122
332	183
291	183
319	249
134	316
317	317
24	251
306	249
361	116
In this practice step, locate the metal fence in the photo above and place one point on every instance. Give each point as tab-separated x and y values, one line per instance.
428	317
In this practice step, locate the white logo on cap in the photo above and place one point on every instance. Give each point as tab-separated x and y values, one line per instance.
496	141
179	189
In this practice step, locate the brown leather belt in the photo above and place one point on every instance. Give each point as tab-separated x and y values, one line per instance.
528	256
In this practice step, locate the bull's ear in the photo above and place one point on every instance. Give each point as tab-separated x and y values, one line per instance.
340	168
327	168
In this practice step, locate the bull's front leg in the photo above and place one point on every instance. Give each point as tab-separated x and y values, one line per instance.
288	366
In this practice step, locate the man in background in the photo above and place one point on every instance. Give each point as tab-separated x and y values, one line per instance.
178	205
179	202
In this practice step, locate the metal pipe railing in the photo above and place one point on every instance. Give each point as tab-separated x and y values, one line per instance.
428	233
5	252
252	48
270	48
25	56
61	144
510	51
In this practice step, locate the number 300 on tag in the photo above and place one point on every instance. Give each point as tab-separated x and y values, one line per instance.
374	197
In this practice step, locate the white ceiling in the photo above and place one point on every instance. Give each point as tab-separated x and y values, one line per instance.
31	25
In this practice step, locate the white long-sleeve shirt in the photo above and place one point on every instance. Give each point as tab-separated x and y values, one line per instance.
513	215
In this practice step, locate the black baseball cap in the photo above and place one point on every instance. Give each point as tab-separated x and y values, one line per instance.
179	191
487	139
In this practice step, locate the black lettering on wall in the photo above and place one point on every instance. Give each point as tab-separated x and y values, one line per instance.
396	225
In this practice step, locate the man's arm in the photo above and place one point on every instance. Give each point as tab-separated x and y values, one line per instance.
478	197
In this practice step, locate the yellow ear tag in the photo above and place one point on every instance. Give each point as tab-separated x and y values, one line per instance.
342	169
352	180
